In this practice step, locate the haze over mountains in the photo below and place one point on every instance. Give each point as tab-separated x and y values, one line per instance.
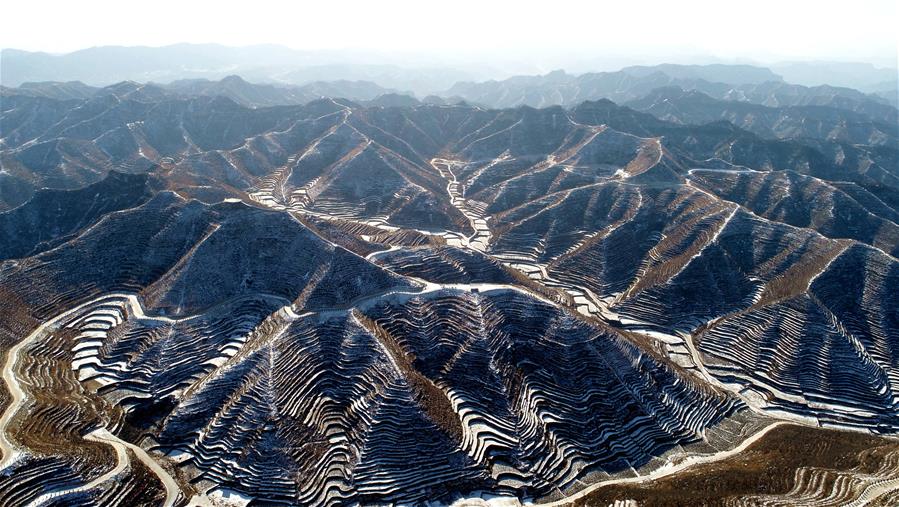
100	66
227	279
266	63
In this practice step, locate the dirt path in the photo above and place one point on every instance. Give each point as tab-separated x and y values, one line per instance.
99	435
668	470
18	397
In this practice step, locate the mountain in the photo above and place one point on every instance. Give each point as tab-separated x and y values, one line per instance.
715	73
393	100
888	90
783	94
233	87
105	65
52	90
632	83
110	64
131	129
378	301
861	76
804	121
50	216
420	80
559	88
263	95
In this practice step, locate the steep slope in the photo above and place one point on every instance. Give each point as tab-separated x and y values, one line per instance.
798	121
185	256
52	90
51	216
383	402
337	304
266	95
836	211
742	84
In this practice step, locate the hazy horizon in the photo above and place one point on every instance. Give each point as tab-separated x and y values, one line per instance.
570	35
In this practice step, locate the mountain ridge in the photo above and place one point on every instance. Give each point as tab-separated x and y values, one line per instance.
394	301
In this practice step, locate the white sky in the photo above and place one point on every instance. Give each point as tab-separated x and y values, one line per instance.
764	30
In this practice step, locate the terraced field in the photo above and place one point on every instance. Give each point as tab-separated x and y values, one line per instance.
838	469
330	304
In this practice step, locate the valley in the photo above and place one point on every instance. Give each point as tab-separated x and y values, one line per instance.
335	303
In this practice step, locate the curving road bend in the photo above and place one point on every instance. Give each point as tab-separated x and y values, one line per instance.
10	452
668	470
98	435
18	397
172	491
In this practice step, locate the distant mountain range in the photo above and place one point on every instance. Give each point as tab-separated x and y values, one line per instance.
862	76
560	88
813	120
261	95
719	73
101	66
232	87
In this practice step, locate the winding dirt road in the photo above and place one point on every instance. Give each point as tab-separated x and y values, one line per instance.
99	435
669	470
18	397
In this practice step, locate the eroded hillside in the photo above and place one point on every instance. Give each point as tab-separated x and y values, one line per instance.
336	304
